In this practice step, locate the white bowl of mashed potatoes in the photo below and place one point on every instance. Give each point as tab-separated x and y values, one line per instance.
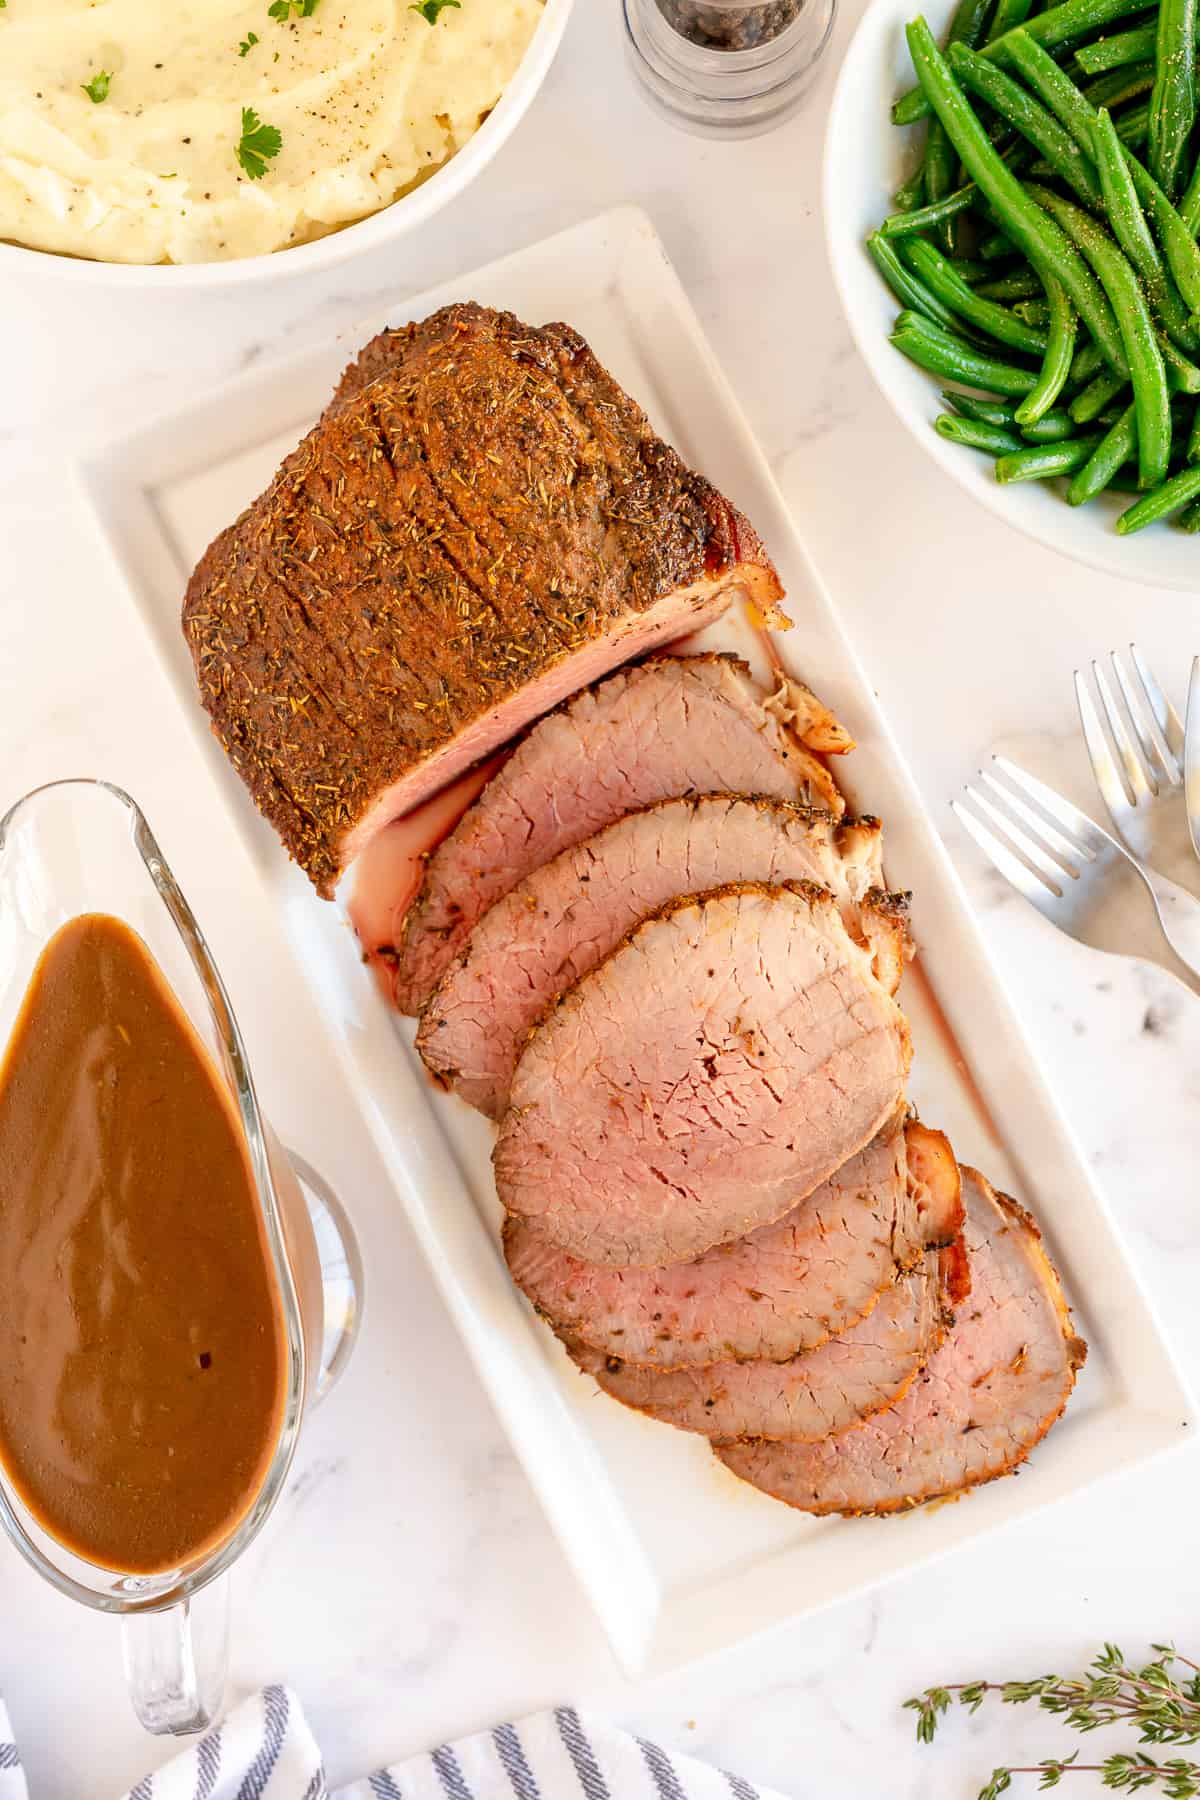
203	142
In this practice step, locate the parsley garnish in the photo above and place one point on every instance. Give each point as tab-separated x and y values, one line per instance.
258	144
283	9
97	88
430	10
247	44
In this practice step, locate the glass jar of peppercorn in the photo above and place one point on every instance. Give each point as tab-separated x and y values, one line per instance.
726	67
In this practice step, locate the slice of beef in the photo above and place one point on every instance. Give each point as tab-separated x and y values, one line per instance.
784	1289
480	524
845	1381
569	914
713	1071
988	1396
673	726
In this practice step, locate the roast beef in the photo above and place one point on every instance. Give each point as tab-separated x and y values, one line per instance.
673	726
569	914
988	1395
786	1288
481	523
846	1380
713	1071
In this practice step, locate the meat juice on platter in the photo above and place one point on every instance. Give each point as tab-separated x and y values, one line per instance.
652	941
142	1350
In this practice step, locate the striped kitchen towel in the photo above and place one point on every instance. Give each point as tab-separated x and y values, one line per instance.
265	1751
554	1756
12	1781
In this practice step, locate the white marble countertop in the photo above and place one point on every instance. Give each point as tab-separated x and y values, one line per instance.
408	1586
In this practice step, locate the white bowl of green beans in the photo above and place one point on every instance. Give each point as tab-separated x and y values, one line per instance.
1012	201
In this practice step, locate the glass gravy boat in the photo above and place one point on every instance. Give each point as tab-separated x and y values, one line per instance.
84	846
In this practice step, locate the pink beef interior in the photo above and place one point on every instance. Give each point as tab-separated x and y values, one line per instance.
715	1070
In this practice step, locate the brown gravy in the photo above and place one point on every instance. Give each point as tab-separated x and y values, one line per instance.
142	1354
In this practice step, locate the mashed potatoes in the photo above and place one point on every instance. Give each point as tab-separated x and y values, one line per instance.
367	98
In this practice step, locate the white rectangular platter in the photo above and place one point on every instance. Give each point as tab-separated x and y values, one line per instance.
679	1559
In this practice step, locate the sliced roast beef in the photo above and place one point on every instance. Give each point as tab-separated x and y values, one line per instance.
480	524
784	1289
568	915
673	726
988	1395
713	1071
846	1380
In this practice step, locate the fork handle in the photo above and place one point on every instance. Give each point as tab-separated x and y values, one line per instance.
1183	963
1182	971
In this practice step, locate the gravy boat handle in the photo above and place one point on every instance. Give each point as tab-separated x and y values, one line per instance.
175	1662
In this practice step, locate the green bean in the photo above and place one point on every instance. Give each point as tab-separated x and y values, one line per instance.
914	219
908	221
1007	16
1095	397
1075	113
1042	239
1087	362
1173	101
995	246
1183	377
1146	367
1189	206
1189	519
1179	245
909	195
941	167
1120	85
944	354
1034	312
1072	19
986	412
1193	443
975	435
1023	284
908	288
931	268
1121	47
969	268
1040	462
1129	226
1056	364
1051	428
1133	126
1114	449
1031	118
1164	499
941	164
1081	119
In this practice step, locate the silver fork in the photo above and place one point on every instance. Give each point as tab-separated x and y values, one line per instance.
1137	758
1077	875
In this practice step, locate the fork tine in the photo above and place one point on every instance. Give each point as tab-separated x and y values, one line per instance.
1003	860
1108	779
1155	749
1087	833
1029	847
1061	848
1139	786
1165	715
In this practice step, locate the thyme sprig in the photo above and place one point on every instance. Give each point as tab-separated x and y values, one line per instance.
1160	1701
